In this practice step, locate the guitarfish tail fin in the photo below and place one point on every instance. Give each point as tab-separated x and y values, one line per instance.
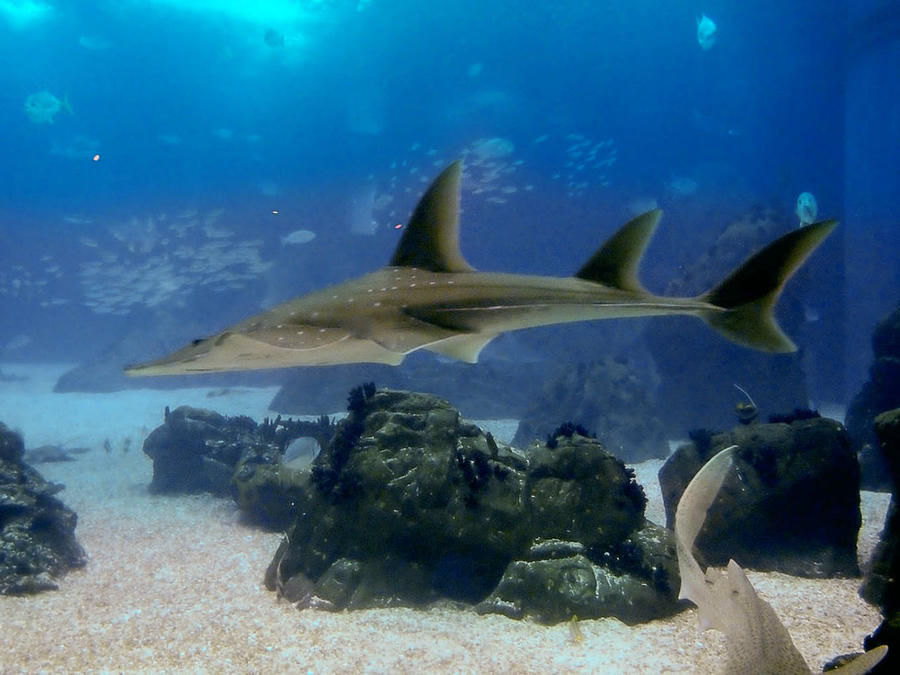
750	293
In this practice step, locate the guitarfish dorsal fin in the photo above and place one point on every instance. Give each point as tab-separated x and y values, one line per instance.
431	239
616	263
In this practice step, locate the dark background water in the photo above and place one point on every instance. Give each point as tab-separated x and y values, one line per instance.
207	116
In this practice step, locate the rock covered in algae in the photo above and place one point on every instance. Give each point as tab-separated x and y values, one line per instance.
37	531
791	506
634	580
411	504
197	450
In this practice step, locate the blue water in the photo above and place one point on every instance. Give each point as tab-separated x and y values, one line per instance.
183	125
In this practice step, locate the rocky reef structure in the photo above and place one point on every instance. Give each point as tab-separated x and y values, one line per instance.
37	531
409	504
882	585
881	392
610	398
792	504
697	368
197	450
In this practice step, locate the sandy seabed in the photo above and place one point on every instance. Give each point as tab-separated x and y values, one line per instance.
174	584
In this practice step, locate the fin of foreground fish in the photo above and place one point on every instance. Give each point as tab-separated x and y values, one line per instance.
757	640
429	297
